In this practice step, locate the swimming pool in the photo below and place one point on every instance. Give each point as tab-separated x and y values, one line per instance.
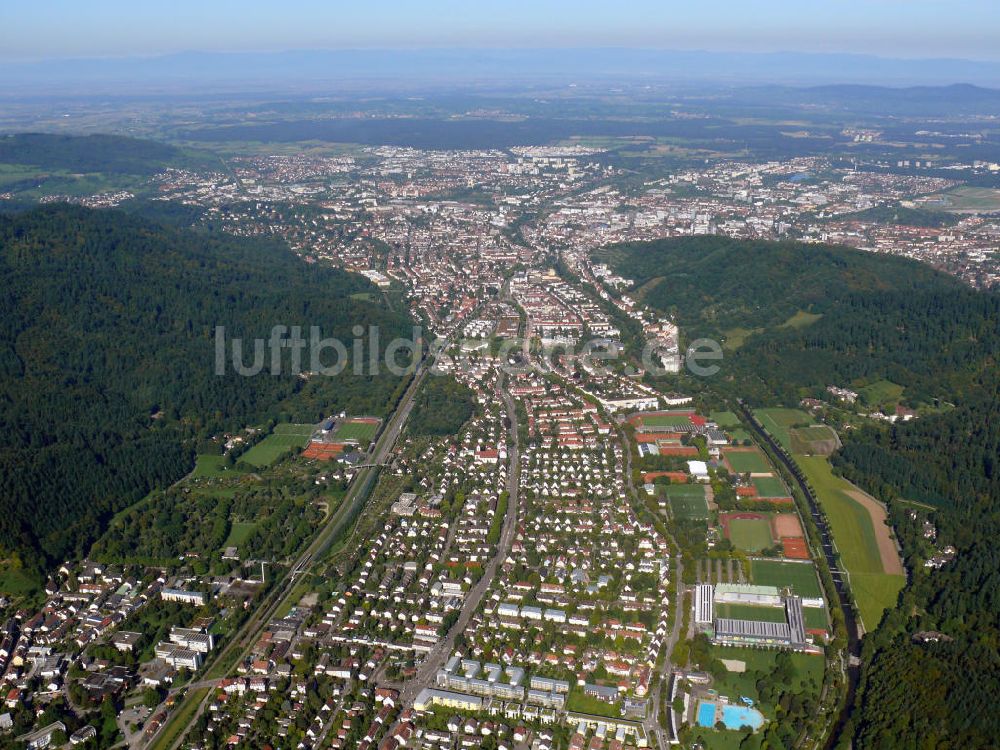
733	717
706	714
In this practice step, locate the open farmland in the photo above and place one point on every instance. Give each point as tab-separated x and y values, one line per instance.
778	422
968	199
238	533
209	466
863	540
882	393
815	440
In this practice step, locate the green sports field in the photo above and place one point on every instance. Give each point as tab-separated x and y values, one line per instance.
285	437
211	467
301	430
750	612
687	502
769	487
853	532
800	576
816	618
750	534
778	421
747	461
725	419
665	420
361	431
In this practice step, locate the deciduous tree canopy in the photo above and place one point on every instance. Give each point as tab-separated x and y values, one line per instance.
107	360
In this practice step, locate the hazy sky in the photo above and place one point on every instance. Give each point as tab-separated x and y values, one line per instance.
38	29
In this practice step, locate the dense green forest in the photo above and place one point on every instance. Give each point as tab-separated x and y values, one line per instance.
941	693
712	284
110	154
940	459
808	316
443	405
107	361
869	318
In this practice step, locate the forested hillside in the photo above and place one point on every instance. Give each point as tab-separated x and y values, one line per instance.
795	318
812	316
712	284
91	153
107	361
940	693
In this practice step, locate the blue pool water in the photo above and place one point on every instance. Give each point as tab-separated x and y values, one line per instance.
733	717
706	714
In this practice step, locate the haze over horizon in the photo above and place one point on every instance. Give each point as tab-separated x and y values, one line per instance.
965	29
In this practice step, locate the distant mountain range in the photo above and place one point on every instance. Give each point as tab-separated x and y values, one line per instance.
330	69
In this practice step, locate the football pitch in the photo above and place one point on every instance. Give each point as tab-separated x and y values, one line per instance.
687	502
800	576
287	428
360	431
285	437
747	461
750	534
769	487
665	420
725	419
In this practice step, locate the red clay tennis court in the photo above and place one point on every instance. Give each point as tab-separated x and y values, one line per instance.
794	548
323	451
787	525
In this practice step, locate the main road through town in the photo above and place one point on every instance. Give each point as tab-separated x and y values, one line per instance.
439	654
